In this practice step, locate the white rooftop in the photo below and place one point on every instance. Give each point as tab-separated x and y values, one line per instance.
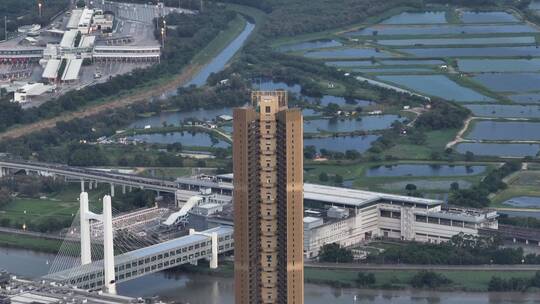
51	69
68	39
356	198
73	22
72	70
87	41
311	219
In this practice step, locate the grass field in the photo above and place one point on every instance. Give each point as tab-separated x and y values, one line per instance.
33	243
63	206
435	142
522	183
392	279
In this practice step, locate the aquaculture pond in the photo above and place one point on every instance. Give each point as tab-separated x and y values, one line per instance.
487	17
177	118
327	99
502	51
427	184
417	18
459	41
423	170
497	110
316	44
403	70
523	202
342	144
504	130
436	85
363	123
379	63
185	138
348	53
501	150
443	29
510	82
498	65
525	98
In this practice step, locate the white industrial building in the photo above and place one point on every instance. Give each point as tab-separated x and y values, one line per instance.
353	216
127	53
81	19
26	92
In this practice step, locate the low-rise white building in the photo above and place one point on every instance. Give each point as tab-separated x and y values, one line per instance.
374	214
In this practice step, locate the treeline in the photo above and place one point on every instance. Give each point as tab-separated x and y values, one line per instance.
459	250
294	17
477	196
514	284
192	34
25	12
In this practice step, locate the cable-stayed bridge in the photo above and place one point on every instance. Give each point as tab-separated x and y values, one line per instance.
112	251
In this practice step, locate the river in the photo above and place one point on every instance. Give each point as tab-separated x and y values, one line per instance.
204	289
218	63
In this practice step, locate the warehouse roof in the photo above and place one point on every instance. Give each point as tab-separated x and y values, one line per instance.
51	69
72	70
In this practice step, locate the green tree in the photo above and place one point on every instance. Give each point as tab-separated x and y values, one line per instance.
334	253
323	177
365	279
429	279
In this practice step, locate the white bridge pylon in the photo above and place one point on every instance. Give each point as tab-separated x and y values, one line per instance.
214	238
108	238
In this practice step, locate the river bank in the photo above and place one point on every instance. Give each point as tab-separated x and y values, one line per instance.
204	287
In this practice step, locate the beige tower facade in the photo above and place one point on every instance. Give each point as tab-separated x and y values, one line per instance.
268	201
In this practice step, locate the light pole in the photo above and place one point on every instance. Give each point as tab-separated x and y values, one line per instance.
163	37
164	26
39	7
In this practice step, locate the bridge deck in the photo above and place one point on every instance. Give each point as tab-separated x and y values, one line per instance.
136	263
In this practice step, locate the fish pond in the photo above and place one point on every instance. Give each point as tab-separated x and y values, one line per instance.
316	44
363	123
348	53
501	150
436	85
488	17
442	29
509	82
498	65
504	130
459	41
502	51
498	110
414	170
342	144
523	202
185	138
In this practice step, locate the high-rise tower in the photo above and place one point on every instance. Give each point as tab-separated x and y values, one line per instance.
268	201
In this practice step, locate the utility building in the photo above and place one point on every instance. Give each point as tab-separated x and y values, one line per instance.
268	201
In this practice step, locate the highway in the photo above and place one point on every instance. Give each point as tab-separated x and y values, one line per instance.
94	175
